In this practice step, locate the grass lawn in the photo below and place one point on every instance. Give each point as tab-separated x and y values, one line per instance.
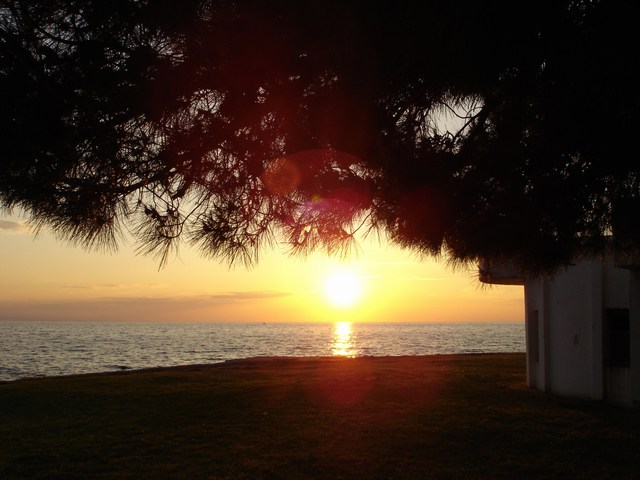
432	417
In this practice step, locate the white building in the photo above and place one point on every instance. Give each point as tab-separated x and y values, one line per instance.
582	329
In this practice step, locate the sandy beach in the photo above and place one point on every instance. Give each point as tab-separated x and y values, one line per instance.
436	417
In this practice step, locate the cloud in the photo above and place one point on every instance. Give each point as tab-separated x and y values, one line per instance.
9	226
200	300
177	301
110	286
142	308
250	295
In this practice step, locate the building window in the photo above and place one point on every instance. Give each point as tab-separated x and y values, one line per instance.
617	338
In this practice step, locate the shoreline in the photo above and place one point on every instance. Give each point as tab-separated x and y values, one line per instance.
50	350
253	361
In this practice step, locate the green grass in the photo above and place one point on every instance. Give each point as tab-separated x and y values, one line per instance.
438	417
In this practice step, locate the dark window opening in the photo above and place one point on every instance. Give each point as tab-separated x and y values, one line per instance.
617	338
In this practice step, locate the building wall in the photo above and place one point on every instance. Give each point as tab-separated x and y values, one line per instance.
565	331
634	317
570	332
570	316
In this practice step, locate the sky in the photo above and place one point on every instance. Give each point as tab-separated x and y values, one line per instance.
43	278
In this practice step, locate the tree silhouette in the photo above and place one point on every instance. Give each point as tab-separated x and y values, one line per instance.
502	130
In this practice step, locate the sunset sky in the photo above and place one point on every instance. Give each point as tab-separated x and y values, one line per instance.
46	279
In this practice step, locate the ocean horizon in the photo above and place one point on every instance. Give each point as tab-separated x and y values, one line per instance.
51	348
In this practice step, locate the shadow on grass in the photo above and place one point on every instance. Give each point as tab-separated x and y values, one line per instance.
464	416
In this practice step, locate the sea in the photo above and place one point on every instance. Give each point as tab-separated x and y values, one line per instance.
37	349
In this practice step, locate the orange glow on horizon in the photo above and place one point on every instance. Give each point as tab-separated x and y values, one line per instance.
44	279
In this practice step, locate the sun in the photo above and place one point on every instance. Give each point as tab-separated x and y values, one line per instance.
342	288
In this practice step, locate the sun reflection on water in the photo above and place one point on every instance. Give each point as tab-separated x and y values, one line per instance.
344	344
